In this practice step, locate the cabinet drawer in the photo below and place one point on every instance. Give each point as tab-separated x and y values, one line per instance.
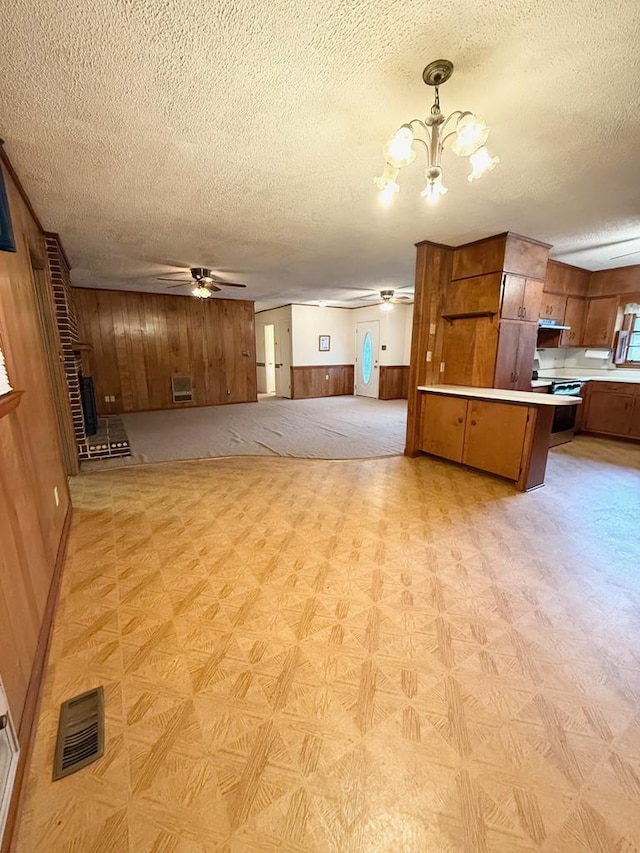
598	387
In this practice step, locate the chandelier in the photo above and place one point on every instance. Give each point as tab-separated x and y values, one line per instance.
467	132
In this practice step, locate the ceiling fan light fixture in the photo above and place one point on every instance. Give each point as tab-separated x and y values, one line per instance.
386	306
201	292
466	131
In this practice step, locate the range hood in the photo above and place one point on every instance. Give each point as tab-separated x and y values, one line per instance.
552	324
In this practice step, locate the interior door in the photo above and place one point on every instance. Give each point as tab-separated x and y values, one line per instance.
269	359
282	349
367	358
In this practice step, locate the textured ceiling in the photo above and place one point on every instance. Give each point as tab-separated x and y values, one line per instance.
245	135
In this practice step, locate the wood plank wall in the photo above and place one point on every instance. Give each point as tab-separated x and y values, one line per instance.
32	528
330	380
394	381
140	340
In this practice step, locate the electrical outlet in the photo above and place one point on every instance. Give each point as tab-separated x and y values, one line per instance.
442	367
56	496
429	356
106	398
112	398
326	376
432	329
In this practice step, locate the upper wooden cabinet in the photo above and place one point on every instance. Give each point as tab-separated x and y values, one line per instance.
469	351
600	322
503	253
521	298
553	307
566	280
574	317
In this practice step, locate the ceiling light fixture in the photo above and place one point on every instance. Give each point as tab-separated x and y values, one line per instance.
386	296
201	291
469	131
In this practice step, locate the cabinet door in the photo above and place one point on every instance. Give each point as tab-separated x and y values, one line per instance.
494	437
574	317
442	429
532	299
552	306
527	337
507	355
512	297
634	429
609	412
600	322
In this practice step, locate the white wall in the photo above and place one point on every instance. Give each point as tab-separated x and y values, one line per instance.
265	318
574	361
393	331
311	321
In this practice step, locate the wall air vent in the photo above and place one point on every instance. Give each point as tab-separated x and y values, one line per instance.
80	733
181	389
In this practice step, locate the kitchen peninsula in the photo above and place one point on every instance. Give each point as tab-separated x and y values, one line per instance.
492	429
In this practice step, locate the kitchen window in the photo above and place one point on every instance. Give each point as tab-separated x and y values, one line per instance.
628	346
633	349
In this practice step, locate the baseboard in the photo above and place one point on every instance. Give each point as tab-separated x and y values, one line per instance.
27	730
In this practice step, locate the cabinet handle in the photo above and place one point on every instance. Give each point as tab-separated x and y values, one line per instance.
474	423
460	420
516	376
524	311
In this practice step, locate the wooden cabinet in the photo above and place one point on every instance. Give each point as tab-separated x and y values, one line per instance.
492	434
514	358
443	425
521	298
600	321
494	437
613	408
553	307
574	317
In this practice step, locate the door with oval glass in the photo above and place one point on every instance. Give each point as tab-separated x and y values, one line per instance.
367	358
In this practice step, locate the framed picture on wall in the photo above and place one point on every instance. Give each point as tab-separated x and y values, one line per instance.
7	243
324	343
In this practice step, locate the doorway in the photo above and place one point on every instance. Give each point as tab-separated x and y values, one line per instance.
282	348
367	359
270	359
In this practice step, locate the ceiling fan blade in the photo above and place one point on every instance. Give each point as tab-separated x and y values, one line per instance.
182	284
228	283
174	280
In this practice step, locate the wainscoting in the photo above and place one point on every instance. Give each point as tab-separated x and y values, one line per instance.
140	340
332	380
394	382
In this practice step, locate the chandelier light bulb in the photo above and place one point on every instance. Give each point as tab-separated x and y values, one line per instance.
433	190
386	306
398	151
471	133
481	162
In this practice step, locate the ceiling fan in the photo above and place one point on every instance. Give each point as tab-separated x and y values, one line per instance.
204	282
387	298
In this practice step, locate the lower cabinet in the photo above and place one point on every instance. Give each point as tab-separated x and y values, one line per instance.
479	433
613	408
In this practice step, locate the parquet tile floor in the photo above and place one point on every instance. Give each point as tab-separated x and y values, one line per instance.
370	655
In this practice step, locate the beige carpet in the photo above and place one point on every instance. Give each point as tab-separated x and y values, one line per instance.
326	428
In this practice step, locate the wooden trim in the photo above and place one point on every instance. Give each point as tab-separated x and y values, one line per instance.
158	293
505	234
27	730
569	266
318	366
4	159
55	236
437	245
9	402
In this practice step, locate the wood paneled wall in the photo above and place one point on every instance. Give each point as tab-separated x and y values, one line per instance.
141	340
394	381
331	380
32	527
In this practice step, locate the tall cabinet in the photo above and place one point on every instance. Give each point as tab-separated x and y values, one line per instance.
491	310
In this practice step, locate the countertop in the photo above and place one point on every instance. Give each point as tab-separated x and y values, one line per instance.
609	376
528	398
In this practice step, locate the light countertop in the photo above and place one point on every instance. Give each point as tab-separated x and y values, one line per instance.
528	398
603	376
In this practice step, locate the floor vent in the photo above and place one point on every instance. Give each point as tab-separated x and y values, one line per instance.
181	389
80	733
